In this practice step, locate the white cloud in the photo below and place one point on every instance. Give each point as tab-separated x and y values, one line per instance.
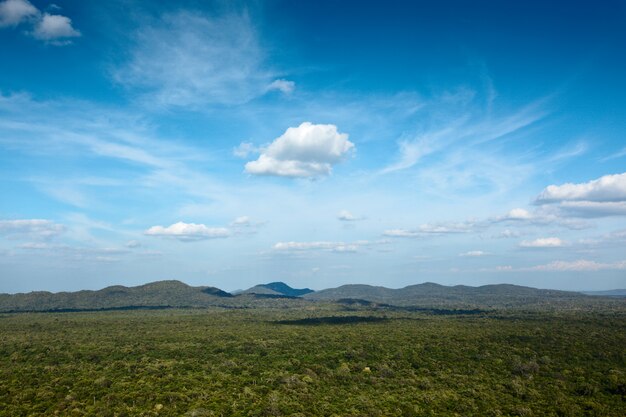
504	268
618	154
284	86
309	150
346	216
245	149
545	242
465	129
474	254
507	234
341	247
245	225
30	228
242	221
188	232
605	189
55	29
305	246
401	233
433	229
517	214
191	60
14	12
545	215
578	265
132	244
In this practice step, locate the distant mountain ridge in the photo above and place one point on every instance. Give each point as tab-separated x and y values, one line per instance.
277	288
431	294
176	294
608	293
155	294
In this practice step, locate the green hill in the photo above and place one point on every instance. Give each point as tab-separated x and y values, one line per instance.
461	296
277	289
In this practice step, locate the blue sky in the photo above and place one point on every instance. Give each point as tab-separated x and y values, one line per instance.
316	143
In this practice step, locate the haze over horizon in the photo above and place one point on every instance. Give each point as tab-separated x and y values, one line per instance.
320	143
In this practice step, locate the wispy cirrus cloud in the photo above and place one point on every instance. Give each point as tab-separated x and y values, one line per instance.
473	254
284	86
619	154
194	60
466	126
30	228
77	130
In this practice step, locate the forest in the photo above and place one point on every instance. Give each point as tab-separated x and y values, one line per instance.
324	359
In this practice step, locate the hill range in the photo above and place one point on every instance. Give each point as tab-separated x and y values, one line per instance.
176	294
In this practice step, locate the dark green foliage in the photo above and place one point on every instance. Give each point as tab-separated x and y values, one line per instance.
314	321
240	362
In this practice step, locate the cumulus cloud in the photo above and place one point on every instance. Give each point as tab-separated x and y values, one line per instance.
609	188
14	12
545	242
603	197
284	86
517	214
55	29
188	232
30	228
309	150
346	216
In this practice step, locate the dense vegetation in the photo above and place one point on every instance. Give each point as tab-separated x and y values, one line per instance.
324	360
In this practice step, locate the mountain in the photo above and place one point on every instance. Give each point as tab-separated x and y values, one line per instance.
434	295
608	293
277	289
175	294
155	294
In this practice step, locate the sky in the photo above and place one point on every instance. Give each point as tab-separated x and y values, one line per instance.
318	143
